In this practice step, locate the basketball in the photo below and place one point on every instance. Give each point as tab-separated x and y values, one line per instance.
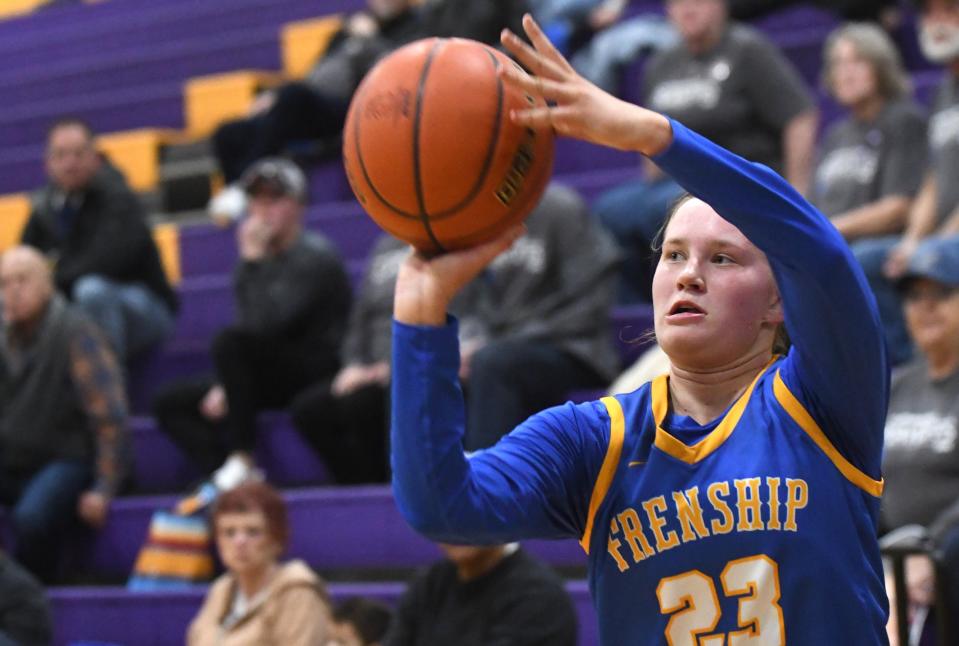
431	152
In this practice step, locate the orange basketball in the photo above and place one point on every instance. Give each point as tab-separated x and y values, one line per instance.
430	150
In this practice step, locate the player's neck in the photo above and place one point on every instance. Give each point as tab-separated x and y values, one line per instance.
705	394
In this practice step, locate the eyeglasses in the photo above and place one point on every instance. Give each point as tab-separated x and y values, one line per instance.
934	292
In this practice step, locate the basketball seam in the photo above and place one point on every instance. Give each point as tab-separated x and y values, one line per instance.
478	185
417	118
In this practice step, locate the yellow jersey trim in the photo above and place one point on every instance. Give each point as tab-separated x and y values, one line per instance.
703	448
801	416
617	431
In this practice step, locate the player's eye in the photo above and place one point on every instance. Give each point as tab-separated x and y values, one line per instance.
722	259
673	256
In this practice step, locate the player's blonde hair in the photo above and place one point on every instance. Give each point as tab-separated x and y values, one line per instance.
874	45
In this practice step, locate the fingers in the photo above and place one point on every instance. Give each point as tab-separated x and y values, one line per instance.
538	86
532	60
483	254
543	44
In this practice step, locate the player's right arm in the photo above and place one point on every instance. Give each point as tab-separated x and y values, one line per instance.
536	482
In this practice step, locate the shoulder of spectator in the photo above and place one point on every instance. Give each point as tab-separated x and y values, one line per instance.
905	114
911	372
750	38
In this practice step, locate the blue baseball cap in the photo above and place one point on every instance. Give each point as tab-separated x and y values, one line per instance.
935	259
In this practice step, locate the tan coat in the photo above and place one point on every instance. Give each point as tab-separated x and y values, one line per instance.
294	612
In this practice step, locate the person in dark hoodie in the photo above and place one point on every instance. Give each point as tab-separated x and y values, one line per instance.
92	226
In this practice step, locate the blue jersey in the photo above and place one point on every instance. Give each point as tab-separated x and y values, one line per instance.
757	528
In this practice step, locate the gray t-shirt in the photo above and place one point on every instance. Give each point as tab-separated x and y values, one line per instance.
556	282
944	146
921	456
861	162
741	94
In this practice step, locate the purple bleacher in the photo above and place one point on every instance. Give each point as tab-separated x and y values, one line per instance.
59	33
286	458
336	529
115	616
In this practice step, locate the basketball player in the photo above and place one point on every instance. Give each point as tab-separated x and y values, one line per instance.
732	501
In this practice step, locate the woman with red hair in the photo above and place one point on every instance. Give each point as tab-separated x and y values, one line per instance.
259	600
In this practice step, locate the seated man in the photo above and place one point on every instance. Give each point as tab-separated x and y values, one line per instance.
293	299
485	595
62	413
92	225
347	421
545	311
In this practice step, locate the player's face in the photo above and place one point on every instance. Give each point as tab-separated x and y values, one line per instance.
852	77
932	315
714	297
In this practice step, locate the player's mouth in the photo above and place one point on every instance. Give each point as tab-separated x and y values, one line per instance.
685	312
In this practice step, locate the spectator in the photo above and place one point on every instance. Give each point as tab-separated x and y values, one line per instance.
872	161
359	622
727	82
92	225
346	421
316	107
292	298
481	20
259	600
485	595
609	43
921	457
24	611
935	210
62	413
546	312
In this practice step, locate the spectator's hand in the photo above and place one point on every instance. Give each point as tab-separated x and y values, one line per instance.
354	376
921	579
579	109
348	379
362	25
263	102
467	349
898	259
253	238
379	373
214	405
605	15
93	507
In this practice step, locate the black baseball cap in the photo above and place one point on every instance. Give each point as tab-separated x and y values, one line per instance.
278	174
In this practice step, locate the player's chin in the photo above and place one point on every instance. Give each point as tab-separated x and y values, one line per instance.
686	339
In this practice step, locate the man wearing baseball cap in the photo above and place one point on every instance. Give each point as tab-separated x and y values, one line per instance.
921	458
292	302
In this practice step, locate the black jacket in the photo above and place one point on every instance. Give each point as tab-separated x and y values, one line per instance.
109	236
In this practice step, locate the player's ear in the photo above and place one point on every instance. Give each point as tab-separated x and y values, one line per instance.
774	313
